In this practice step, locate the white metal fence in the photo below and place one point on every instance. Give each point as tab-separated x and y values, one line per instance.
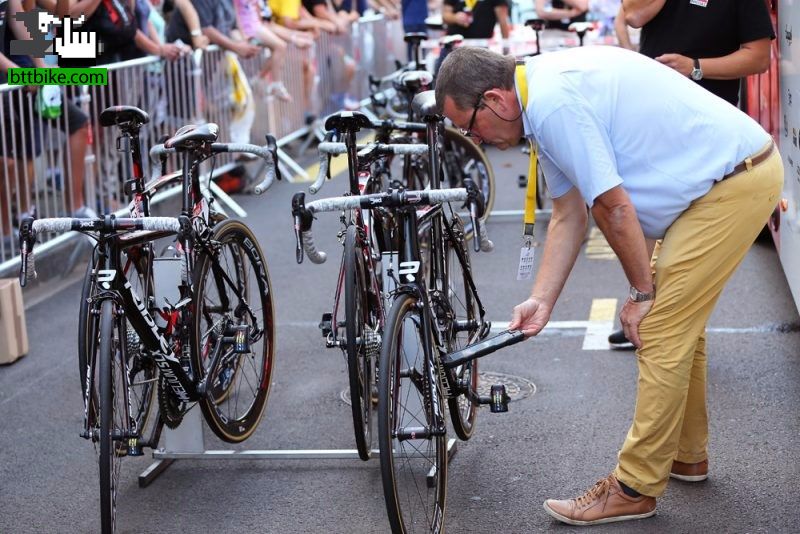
36	164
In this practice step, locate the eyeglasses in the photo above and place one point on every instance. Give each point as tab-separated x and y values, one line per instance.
468	131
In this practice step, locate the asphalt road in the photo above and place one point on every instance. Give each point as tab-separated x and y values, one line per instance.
555	442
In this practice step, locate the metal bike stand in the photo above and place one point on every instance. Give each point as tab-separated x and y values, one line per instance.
186	442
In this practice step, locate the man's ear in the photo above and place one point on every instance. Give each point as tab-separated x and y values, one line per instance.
496	98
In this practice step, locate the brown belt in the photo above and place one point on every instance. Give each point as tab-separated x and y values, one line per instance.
749	163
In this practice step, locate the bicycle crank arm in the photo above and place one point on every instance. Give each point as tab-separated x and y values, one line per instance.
503	339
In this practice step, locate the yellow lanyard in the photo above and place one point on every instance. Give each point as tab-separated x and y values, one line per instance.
470	4
530	192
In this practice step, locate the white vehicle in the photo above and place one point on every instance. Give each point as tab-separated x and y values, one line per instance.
773	98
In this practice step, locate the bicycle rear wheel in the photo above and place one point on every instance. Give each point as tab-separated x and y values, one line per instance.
112	407
233	295
361	332
463	327
413	448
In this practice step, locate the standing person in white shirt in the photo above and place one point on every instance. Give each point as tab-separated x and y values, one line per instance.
654	156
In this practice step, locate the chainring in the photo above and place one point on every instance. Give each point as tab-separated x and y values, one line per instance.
171	409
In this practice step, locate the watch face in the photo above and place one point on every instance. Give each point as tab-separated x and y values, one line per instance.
697	74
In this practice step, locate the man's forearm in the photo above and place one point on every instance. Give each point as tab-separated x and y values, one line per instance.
752	58
82	7
640	12
218	38
564	237
622	230
502	19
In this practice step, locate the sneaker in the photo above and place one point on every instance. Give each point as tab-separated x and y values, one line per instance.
605	502
689	472
618	341
84	212
279	91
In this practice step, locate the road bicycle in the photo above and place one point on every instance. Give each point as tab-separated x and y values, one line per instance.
214	345
435	291
359	285
412	386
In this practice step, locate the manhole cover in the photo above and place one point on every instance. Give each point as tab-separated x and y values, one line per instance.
517	388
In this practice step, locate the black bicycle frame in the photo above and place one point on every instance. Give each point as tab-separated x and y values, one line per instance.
112	279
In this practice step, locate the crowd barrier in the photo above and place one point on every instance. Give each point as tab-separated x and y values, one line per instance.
37	165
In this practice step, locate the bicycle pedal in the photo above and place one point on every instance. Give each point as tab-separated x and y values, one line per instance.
325	324
134	448
499	399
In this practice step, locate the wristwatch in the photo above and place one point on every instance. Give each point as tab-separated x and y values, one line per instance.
638	296
697	72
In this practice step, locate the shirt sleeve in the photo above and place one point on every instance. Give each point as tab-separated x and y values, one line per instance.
575	146
754	21
206	12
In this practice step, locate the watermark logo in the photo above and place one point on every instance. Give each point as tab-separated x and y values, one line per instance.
70	44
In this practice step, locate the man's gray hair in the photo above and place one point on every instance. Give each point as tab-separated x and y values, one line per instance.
468	72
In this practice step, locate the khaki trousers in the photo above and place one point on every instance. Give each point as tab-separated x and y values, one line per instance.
699	253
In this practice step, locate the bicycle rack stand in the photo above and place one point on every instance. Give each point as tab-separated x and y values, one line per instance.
186	443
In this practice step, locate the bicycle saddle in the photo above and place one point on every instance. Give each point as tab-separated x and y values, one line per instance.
580	27
415	80
415	37
451	40
124	116
537	24
424	105
193	134
347	120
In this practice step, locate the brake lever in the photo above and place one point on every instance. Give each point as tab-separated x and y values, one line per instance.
272	145
302	222
26	241
475	200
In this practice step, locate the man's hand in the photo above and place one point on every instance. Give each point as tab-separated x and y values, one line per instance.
680	63
631	316
172	51
530	317
200	41
463	19
246	50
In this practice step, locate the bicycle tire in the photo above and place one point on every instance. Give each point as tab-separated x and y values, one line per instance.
360	315
229	410
113	412
464	159
414	503
460	331
142	372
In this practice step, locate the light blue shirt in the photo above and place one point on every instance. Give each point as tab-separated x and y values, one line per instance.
604	116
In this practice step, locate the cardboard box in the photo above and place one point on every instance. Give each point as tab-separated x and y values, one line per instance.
13	332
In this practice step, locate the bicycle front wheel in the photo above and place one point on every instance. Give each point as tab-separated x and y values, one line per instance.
234	318
361	332
113	413
412	438
142	370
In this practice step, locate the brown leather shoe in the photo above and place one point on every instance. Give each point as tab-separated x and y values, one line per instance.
605	502
689	472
